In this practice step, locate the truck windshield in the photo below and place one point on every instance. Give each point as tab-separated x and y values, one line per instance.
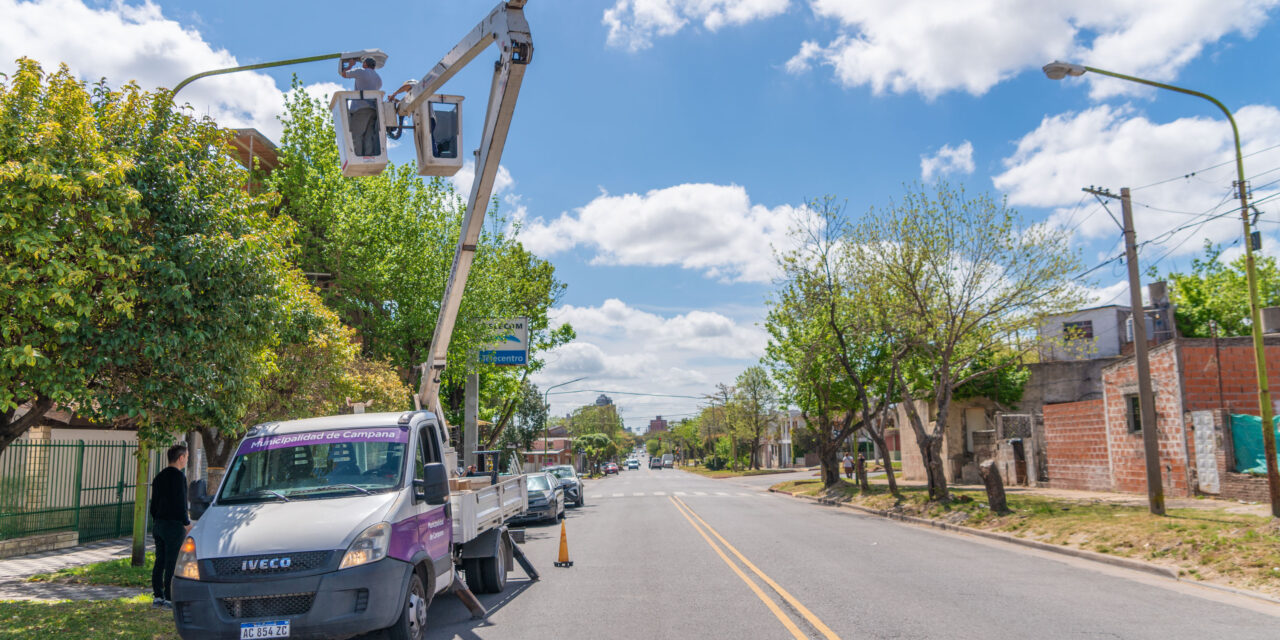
316	465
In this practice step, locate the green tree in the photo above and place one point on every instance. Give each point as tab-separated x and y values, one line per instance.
529	420
962	278
757	398
1215	292
385	244
69	215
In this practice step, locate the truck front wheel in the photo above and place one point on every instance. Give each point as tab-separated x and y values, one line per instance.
412	624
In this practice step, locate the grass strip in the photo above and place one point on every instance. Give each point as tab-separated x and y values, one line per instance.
116	572
90	619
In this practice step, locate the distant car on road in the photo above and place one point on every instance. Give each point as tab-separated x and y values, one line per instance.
655	463
611	467
668	461
568	477
633	464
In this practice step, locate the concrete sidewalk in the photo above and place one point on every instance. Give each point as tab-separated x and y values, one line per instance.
15	571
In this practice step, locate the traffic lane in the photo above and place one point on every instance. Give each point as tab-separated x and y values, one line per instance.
630	557
868	577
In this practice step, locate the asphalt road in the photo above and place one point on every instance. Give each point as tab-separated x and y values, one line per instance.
668	554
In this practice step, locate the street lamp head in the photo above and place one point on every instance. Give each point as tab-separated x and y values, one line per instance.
1058	70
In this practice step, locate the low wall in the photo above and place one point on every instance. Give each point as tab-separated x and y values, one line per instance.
35	544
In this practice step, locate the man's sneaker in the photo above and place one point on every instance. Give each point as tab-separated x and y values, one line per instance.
157	603
168	604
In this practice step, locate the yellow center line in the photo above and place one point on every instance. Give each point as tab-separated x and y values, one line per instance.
773	606
808	615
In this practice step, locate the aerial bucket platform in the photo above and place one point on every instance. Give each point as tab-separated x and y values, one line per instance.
360	122
437	135
360	125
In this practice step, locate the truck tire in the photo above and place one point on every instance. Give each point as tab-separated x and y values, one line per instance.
474	574
494	570
412	623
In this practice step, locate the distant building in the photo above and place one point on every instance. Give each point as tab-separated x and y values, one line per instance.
658	425
603	401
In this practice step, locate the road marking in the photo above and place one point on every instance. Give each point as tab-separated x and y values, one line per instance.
659	493
699	493
747	495
681	493
768	602
808	615
617	495
637	494
721	493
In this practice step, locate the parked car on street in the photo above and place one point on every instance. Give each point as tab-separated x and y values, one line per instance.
668	461
568	477
655	463
611	467
546	498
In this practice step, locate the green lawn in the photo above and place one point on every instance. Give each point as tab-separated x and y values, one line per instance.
116	572
1208	544
729	473
131	618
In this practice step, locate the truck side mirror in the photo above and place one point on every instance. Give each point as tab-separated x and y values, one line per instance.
197	500
434	487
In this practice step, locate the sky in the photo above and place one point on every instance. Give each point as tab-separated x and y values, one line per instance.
660	149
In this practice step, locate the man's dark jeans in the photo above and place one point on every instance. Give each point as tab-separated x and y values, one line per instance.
168	535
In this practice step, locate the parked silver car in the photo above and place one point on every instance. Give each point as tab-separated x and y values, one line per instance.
546	498
568	477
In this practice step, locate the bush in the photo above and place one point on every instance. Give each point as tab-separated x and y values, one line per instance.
715	462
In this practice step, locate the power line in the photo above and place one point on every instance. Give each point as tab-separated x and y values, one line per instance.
1193	173
627	393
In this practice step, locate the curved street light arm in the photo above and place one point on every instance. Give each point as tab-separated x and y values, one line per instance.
252	67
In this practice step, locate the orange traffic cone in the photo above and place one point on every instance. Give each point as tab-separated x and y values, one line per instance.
564	560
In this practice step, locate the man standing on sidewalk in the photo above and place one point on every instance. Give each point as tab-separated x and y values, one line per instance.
169	522
847	463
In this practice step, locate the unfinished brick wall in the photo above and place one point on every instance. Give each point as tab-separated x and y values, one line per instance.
1075	440
1128	460
1239	390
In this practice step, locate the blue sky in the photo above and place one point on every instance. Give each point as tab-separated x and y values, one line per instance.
660	147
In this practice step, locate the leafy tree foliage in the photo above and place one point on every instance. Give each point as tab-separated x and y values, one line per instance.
757	400
1216	292
145	284
68	232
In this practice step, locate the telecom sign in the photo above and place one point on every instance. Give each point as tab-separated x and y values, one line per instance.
508	342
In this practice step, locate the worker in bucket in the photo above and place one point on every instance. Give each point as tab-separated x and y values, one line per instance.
364	113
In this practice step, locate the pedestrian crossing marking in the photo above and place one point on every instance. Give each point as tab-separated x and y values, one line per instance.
617	495
659	493
721	493
681	493
637	494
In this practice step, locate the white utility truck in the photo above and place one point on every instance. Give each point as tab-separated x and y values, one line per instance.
337	526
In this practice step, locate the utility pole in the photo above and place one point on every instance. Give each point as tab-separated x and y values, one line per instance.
1146	399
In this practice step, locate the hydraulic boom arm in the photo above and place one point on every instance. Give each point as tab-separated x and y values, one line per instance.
506	27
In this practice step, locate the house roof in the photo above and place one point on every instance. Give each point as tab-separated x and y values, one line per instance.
249	144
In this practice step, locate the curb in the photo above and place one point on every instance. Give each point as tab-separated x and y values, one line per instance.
1115	561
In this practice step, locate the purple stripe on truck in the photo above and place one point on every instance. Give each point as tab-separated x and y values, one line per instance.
432	531
268	443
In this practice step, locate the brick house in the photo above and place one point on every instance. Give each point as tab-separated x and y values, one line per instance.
1096	444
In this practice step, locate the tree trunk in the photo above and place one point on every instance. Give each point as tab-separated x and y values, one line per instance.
755	452
217	448
829	456
995	486
877	436
861	470
931	452
11	429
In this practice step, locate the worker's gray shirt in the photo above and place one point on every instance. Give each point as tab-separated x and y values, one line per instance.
366	79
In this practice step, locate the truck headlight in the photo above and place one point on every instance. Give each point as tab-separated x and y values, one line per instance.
187	566
370	546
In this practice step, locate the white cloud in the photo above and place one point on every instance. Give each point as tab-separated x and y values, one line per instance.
1114	147
710	228
633	24
933	47
947	160
124	42
466	176
620	347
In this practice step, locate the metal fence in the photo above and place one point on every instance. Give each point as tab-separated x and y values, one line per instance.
70	485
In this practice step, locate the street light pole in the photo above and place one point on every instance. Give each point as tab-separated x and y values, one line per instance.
1059	70
546	420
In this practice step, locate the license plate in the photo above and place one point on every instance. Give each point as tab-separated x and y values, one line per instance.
273	629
